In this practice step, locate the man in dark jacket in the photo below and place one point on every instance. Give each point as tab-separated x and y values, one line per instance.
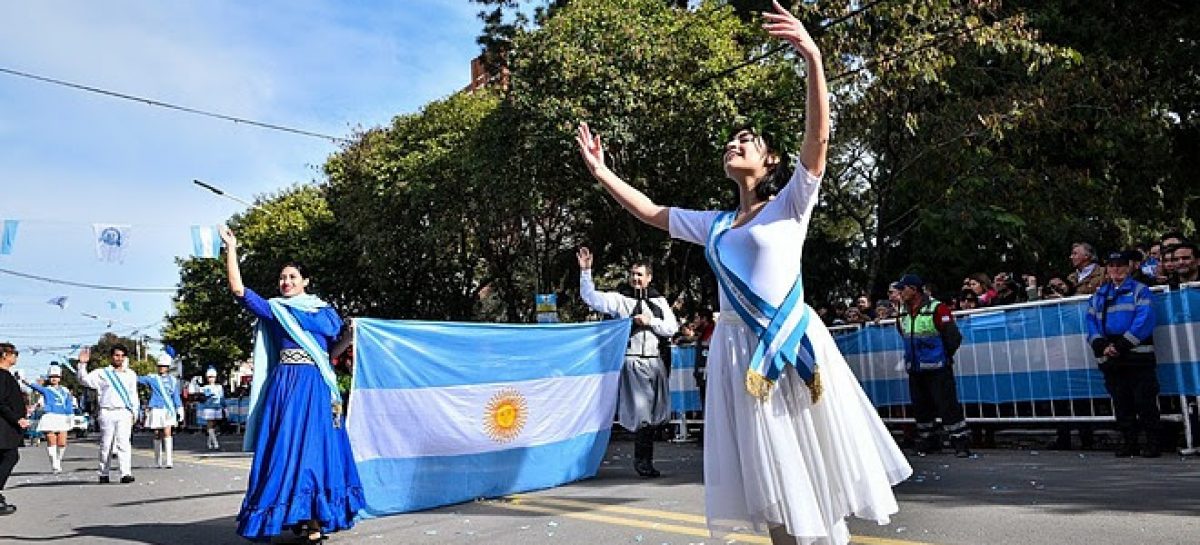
12	420
930	338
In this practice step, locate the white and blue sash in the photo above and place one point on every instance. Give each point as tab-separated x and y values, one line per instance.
781	331
119	386
166	393
266	355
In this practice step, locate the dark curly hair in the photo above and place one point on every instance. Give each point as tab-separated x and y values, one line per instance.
779	173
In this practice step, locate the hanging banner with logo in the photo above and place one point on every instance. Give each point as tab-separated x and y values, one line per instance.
443	412
111	241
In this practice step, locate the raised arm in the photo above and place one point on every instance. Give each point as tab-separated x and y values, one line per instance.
636	202
613	304
232	269
785	26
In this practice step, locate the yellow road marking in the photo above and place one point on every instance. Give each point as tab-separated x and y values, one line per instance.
568	508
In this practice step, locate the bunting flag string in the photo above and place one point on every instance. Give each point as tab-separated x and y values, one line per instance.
112	241
8	237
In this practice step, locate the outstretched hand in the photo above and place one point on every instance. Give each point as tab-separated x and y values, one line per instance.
785	26
585	258
85	355
227	237
590	147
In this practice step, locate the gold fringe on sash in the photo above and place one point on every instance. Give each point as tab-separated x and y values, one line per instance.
760	386
815	388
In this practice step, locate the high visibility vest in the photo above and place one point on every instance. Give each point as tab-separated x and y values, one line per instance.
923	348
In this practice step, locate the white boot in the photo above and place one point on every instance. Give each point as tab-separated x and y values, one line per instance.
213	444
52	450
158	460
169	450
62	454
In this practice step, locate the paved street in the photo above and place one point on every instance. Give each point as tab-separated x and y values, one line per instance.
1001	497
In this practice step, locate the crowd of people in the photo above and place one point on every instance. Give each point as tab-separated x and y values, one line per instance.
1170	261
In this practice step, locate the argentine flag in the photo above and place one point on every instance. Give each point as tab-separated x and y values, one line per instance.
443	412
206	241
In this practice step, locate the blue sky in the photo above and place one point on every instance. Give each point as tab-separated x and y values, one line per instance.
69	159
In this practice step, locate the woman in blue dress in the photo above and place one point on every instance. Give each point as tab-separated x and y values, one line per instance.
303	477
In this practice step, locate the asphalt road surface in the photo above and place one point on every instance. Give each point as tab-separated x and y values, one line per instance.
1010	496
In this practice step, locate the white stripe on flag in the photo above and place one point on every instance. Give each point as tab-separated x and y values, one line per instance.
449	421
206	242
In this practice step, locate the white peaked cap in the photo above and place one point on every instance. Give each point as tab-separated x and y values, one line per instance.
211	372
164	360
55	371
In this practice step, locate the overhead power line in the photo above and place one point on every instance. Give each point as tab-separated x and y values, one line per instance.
85	284
161	104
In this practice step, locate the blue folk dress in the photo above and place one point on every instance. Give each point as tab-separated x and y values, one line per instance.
303	468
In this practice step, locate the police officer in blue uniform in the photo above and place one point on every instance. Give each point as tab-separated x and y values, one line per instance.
1120	325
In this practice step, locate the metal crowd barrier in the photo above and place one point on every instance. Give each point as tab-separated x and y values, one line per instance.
1024	363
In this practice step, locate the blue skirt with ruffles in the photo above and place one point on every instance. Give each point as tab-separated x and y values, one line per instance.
303	468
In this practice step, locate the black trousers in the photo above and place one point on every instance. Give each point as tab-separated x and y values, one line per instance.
935	395
1134	391
8	460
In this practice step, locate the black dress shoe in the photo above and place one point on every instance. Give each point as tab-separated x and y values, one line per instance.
127	479
6	508
104	480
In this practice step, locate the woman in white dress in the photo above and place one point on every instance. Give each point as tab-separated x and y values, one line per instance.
792	445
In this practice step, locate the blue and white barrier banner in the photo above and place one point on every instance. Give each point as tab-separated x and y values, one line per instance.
685	393
443	413
1030	353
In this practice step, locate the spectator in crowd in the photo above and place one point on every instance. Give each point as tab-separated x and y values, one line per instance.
1029	283
864	306
1166	267
968	301
1120	324
884	310
1088	275
981	285
855	316
930	338
839	313
1185	262
1007	290
1056	288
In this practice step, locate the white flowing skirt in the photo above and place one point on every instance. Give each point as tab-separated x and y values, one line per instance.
54	423
160	418
788	462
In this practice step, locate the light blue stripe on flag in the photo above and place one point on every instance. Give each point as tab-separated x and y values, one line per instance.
463	353
444	413
206	241
8	237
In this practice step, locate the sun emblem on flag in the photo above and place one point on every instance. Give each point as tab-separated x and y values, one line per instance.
505	415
